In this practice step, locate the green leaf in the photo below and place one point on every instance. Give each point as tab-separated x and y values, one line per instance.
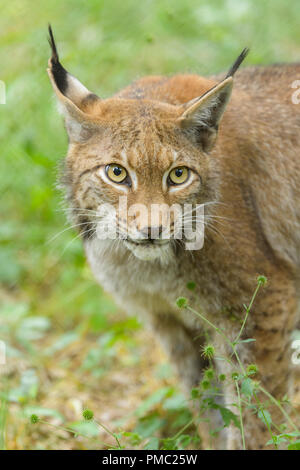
42	412
228	416
265	417
169	444
290	435
175	402
86	428
248	340
148	425
28	387
157	397
183	441
294	446
247	387
152	444
62	342
134	437
33	328
12	313
10	268
276	440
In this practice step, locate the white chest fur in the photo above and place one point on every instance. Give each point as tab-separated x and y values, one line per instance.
139	287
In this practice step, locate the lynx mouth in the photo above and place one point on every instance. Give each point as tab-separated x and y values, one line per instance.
148	250
147	243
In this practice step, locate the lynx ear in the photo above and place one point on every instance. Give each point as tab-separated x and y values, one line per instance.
76	102
201	116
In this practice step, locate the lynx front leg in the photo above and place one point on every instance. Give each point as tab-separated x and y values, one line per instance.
184	350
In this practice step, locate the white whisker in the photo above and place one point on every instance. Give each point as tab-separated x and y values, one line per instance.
65	230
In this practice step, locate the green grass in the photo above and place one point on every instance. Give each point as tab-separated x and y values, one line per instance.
49	301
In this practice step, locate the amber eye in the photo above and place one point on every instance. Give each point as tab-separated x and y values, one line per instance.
179	175
116	173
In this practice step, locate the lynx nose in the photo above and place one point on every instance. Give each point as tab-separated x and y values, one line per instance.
152	233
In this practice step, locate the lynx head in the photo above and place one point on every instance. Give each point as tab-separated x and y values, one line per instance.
142	159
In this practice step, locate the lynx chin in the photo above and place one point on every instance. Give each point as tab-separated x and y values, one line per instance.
230	144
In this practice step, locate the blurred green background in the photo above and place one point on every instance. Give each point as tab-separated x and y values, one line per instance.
49	301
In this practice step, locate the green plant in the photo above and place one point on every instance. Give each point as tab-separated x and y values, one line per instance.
247	388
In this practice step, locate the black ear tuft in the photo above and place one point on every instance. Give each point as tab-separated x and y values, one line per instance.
51	41
58	71
237	63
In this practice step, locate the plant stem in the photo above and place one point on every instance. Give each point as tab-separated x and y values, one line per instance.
183	429
279	406
72	431
109	432
218	330
238	359
265	419
241	416
247	312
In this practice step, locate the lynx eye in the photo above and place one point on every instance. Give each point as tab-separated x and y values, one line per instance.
116	173
179	175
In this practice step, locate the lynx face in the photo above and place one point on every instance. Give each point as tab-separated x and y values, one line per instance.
149	188
137	168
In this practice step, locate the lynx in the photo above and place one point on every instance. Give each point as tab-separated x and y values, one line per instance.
189	139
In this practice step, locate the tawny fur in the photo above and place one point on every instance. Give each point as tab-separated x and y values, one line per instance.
251	174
